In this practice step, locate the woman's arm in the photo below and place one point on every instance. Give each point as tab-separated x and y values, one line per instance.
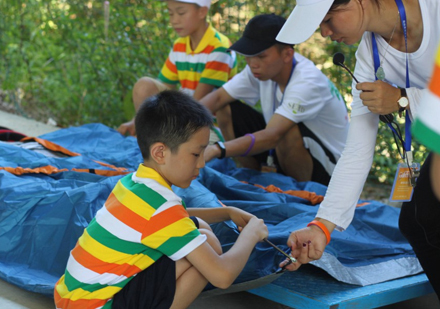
346	184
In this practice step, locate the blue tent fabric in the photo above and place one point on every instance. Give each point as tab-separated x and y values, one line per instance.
42	216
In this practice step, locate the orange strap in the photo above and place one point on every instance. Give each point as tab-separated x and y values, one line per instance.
312	197
48	169
322	227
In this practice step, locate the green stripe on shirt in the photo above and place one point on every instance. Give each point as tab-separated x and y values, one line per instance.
426	135
145	193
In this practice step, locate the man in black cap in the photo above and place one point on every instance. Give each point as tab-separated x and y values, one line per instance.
304	122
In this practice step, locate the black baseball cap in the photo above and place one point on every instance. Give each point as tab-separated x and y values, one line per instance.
259	34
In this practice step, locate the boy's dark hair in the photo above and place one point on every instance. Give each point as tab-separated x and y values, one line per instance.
170	117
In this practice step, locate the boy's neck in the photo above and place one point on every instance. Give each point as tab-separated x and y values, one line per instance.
196	36
282	79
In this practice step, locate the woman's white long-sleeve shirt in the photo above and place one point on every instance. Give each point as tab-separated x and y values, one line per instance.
354	165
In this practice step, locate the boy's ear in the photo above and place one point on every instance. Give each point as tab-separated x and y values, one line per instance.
158	152
203	12
288	54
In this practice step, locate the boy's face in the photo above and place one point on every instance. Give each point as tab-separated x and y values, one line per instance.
268	64
183	166
185	18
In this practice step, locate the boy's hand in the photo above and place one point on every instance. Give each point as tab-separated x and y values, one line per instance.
239	217
127	127
256	228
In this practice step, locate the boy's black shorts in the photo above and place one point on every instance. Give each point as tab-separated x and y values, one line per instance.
152	288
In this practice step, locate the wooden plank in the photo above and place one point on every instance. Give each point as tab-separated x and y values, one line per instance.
311	287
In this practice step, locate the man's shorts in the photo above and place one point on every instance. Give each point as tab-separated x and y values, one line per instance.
246	119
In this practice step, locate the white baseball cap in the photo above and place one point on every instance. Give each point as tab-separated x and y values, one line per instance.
201	3
304	20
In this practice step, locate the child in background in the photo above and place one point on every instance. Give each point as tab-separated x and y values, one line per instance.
199	60
144	248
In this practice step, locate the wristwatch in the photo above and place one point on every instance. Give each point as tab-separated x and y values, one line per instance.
403	101
222	149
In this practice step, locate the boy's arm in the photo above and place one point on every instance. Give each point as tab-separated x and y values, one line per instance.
202	90
265	139
220	214
216	100
222	270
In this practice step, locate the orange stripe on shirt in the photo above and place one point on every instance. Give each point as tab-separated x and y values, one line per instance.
66	303
164	219
179	47
208	49
435	81
189	84
172	67
124	214
217	66
89	261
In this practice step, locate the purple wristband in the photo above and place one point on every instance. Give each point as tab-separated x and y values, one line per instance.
250	146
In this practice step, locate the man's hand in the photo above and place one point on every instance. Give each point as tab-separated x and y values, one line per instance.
211	152
380	97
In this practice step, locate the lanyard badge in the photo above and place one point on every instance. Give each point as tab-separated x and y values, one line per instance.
407	173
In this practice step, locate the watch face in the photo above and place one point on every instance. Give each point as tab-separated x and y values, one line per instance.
220	143
403	102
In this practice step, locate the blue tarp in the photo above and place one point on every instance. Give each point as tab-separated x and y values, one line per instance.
42	216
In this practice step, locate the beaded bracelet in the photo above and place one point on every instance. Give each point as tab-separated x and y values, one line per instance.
250	146
323	228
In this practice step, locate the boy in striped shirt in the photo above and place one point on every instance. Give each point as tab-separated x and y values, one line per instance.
199	60
144	248
427	127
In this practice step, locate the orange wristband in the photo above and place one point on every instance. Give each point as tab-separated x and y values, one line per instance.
322	227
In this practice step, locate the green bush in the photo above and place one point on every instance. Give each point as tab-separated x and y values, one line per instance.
60	60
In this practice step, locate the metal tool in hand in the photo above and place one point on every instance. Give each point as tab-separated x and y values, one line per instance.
291	258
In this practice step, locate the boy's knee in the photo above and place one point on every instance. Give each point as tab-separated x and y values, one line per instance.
212	240
205	229
203	225
144	88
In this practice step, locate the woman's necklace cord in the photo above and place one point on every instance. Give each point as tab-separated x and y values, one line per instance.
380	73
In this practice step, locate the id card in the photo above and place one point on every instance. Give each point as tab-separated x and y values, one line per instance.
403	188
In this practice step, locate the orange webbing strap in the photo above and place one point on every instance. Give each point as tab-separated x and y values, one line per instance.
312	197
51	146
48	169
39	170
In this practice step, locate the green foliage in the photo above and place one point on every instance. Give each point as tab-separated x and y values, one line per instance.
59	58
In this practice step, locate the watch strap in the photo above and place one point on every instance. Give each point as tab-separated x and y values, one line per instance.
222	149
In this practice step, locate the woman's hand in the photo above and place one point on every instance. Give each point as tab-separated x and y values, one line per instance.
307	245
380	97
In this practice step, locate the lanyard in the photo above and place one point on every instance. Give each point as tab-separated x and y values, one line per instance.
287	84
402	13
271	152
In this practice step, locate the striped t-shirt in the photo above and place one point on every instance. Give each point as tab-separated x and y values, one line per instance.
426	127
210	63
141	221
